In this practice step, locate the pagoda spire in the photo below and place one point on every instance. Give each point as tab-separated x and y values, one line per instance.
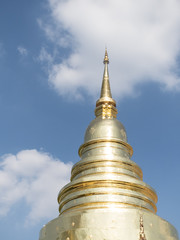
106	197
106	105
105	89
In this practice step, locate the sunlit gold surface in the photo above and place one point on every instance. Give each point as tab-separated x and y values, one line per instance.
107	198
108	224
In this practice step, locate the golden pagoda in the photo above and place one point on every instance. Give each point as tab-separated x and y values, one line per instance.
107	198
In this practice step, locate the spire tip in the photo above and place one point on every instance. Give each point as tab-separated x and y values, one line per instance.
106	59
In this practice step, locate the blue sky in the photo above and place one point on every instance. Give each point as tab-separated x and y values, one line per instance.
51	55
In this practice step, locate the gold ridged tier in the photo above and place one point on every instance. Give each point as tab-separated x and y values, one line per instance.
106	177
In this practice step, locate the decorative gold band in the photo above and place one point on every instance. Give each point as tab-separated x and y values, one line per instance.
126	145
82	166
98	205
106	202
105	184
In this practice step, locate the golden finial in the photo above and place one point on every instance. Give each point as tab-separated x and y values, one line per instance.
106	106
105	90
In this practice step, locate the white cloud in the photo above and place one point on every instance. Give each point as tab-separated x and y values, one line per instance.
44	56
143	40
35	177
22	51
